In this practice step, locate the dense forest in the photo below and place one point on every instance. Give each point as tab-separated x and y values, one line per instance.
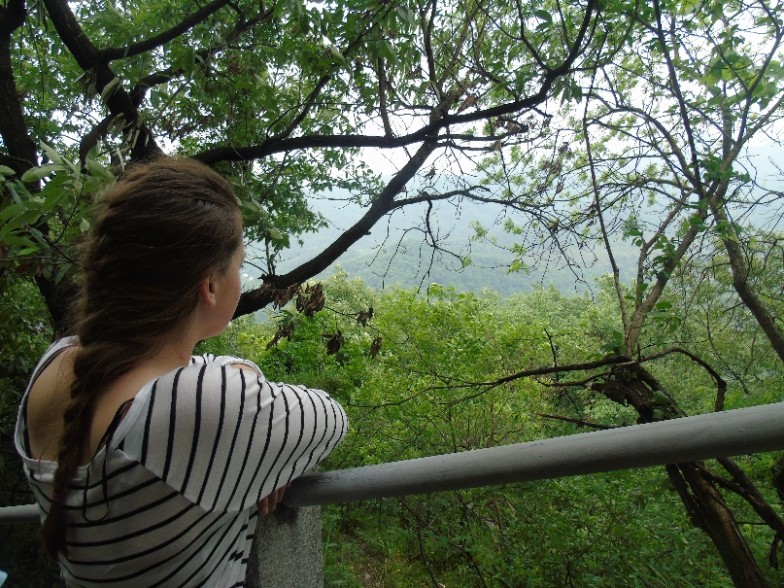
625	153
420	393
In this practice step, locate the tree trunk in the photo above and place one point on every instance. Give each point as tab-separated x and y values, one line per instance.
740	275
633	385
13	128
59	298
708	511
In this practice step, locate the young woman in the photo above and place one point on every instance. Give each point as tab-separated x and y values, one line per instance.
150	465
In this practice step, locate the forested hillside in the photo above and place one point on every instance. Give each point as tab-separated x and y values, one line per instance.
476	253
421	393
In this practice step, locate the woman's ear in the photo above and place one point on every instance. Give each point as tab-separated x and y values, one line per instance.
207	292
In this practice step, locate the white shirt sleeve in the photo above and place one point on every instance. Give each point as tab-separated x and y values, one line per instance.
225	437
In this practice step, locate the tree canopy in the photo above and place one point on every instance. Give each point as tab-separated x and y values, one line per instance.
281	97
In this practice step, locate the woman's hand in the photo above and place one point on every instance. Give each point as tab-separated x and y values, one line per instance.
270	502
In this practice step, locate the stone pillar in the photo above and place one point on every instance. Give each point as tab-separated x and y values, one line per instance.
287	550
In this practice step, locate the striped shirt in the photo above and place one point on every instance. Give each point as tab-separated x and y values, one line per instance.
170	498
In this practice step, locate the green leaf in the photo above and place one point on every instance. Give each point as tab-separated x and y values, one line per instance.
97	169
28	250
53	156
13	240
544	15
25	218
35	174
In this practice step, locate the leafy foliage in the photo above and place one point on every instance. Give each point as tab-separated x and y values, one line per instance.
24	335
419	396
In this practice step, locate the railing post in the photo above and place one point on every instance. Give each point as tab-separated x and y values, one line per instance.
286	552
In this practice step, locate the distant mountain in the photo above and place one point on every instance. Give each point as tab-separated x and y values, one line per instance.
397	252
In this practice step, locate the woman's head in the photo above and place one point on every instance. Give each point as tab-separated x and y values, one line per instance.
163	228
162	231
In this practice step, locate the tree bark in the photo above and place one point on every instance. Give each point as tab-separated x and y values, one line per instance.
708	512
59	298
13	129
740	281
142	142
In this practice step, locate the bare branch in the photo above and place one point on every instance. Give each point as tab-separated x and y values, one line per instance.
721	385
578	422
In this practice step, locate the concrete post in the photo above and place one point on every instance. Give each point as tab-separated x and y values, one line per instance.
287	550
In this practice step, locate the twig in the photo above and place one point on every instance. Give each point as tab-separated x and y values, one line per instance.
578	422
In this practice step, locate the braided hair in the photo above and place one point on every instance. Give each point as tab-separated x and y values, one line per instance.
159	231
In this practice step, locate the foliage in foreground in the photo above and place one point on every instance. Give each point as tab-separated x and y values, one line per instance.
24	335
414	398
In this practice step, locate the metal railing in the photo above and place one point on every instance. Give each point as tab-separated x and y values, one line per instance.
722	434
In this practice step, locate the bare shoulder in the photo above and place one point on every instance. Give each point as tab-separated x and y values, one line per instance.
46	403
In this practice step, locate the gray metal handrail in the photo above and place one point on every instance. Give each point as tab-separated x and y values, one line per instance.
21	513
722	434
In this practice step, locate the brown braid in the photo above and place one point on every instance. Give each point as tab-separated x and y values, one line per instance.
160	230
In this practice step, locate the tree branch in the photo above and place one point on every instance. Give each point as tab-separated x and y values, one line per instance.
253	300
249	301
427	131
90	60
113	53
22	152
578	422
721	385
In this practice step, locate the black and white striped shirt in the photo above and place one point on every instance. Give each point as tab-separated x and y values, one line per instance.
170	498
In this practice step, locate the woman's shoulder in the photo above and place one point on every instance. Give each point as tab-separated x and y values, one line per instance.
46	397
221	361
59	353
204	381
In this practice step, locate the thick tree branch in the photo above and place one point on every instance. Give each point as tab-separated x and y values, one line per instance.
90	60
740	281
751	494
251	301
273	146
111	54
22	153
547	370
12	16
433	127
